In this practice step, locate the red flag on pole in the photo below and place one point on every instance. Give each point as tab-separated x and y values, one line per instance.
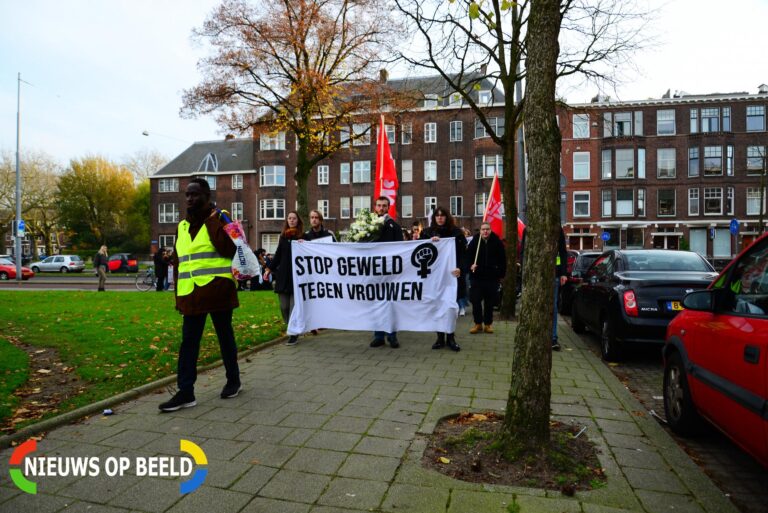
494	208
386	176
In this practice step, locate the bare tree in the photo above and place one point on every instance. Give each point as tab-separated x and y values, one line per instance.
144	163
305	66
470	42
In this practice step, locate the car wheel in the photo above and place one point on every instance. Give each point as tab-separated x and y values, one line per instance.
64	270
35	269
576	323
610	348
3	276
678	405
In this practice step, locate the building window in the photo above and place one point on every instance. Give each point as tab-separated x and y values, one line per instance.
324	207
713	160
625	200
622	124
484	97
481	198
753	201
693	202
497	125
693	162
237	182
322	175
406	206
713	201
581	165
272	209
457	169
168	185
430	170
607	164
430	204
272	176
726	119
710	120
755	158
361	171
167	241
729	199
269	142
694	121
666	206
390	131
755	118
361	133
430	101
211	179
641	163
344	136
607	197
455	99
665	122
269	242
456	131
406	133
344	173
625	164
641	202
344	209
581	126
237	211
359	203
665	163
406	168
457	206
487	165
430	132
581	204
167	213
729	160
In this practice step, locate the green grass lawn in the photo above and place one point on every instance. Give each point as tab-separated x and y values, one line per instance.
115	340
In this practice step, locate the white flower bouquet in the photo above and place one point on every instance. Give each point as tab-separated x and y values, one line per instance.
366	227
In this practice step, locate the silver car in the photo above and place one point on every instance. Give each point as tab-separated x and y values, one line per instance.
59	264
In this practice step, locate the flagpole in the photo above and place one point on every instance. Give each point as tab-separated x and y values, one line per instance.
380	160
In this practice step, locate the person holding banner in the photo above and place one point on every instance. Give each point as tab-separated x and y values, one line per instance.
488	266
282	267
441	226
390	232
316	228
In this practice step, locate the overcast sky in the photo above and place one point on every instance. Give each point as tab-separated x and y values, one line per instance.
102	72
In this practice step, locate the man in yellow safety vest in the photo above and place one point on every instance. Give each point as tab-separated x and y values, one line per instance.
204	286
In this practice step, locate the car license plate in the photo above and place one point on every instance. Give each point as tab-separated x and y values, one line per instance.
674	306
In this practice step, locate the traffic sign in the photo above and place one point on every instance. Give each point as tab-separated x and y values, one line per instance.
606	236
735	226
20	228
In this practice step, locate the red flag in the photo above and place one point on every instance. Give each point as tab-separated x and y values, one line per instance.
494	208
386	176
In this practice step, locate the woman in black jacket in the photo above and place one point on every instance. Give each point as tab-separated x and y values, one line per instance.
487	263
442	225
281	267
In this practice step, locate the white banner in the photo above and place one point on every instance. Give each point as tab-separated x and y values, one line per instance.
374	286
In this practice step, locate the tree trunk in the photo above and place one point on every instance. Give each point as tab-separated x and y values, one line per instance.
526	424
303	170
509	301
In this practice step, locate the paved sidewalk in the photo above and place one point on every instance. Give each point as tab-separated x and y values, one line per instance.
333	426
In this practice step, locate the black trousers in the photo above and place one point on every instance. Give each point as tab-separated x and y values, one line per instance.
483	295
191	334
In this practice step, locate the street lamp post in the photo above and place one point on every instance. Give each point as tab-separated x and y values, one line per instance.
16	237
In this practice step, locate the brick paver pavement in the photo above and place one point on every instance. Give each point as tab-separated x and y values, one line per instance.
332	425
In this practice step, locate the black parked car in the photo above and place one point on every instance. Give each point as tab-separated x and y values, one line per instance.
630	296
575	276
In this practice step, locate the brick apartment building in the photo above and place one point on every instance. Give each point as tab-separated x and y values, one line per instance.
667	173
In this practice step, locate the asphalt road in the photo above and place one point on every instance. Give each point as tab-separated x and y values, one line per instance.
737	474
79	281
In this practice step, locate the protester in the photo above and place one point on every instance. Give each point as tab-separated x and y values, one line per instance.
258	282
282	267
100	263
390	231
161	269
415	230
204	286
442	226
316	228
487	263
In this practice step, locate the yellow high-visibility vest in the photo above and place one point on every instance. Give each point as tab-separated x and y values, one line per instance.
199	263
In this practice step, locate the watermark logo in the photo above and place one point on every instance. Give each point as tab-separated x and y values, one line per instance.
25	465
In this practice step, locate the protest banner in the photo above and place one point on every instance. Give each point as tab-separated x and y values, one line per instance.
385	286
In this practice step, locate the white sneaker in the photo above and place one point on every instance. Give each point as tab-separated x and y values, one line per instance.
462	312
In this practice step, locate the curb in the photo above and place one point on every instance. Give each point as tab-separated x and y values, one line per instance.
90	409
